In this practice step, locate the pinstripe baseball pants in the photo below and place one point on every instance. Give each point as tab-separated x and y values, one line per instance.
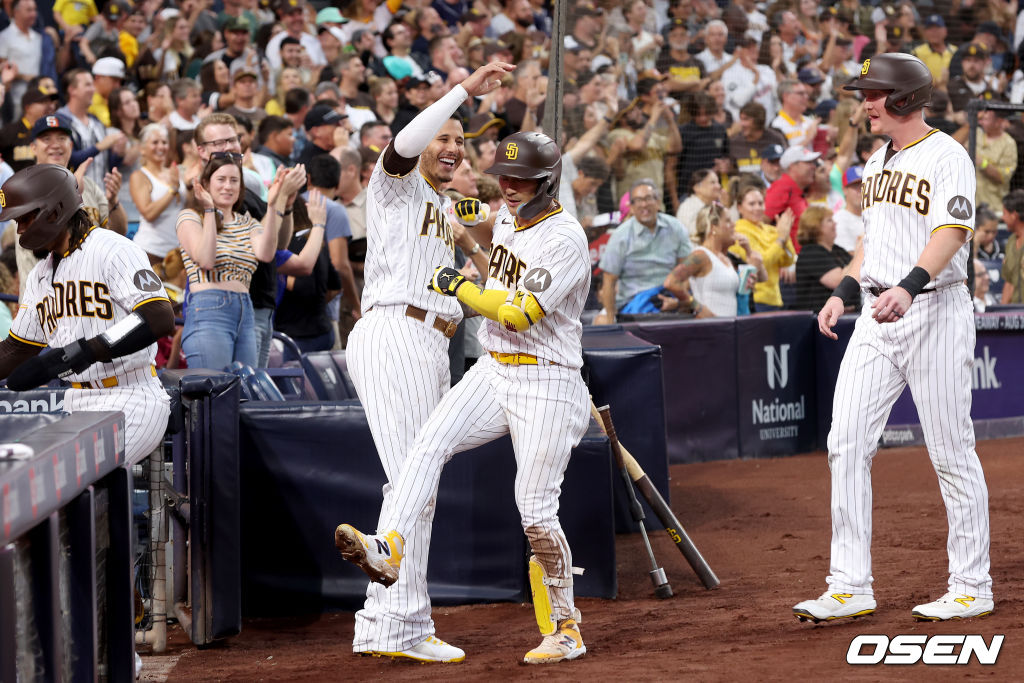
400	370
546	411
144	403
931	350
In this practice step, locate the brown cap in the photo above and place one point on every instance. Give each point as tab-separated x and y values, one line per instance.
479	123
494	47
976	50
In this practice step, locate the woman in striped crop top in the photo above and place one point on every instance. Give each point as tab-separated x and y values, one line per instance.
220	247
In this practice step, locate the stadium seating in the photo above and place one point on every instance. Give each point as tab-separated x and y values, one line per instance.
256	384
329	382
342	364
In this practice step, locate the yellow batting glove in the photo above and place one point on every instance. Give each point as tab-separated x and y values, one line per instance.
471	212
446	281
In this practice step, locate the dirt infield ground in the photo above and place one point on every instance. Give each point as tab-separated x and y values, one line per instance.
764	527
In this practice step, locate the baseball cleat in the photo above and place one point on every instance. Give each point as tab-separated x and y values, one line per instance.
564	644
432	649
379	556
953	606
834	605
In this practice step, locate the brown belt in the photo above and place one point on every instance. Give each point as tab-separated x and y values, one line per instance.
878	291
445	327
520	359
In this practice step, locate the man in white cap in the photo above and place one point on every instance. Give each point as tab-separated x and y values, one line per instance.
798	164
107	76
332	42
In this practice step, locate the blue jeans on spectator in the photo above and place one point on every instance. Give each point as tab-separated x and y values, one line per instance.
219	329
264	334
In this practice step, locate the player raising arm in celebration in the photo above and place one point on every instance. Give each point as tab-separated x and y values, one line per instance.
916	328
528	385
398	350
92	299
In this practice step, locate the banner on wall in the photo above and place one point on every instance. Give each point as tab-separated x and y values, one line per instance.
776	394
699	367
996	376
43	400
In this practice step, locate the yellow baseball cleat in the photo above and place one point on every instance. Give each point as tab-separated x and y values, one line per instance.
953	606
431	649
564	644
379	556
834	605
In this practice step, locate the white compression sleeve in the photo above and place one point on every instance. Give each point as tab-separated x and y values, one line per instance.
414	138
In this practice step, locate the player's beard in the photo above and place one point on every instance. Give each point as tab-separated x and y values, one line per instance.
40	254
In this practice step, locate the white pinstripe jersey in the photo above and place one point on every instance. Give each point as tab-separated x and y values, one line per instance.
407	237
95	286
927	185
551	259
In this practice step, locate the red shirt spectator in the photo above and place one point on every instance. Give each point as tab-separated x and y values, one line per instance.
788	191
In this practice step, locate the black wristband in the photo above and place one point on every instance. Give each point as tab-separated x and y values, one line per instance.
846	288
78	356
915	281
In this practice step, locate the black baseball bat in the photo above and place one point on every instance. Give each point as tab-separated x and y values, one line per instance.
668	518
661	586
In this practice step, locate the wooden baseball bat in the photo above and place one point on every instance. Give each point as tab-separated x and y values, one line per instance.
673	528
661	586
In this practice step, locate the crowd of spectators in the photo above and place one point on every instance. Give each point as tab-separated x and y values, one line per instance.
690	127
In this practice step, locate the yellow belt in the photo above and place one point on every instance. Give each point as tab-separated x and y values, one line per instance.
519	359
105	383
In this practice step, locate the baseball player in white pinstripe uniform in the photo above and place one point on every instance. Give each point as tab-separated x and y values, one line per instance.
94	301
916	328
398	351
528	386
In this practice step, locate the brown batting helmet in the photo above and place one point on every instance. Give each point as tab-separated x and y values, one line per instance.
530	156
907	79
42	198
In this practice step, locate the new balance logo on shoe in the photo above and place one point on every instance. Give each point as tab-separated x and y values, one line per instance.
954	606
832	606
383	548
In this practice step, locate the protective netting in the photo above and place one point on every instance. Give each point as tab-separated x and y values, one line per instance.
102	500
28	644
